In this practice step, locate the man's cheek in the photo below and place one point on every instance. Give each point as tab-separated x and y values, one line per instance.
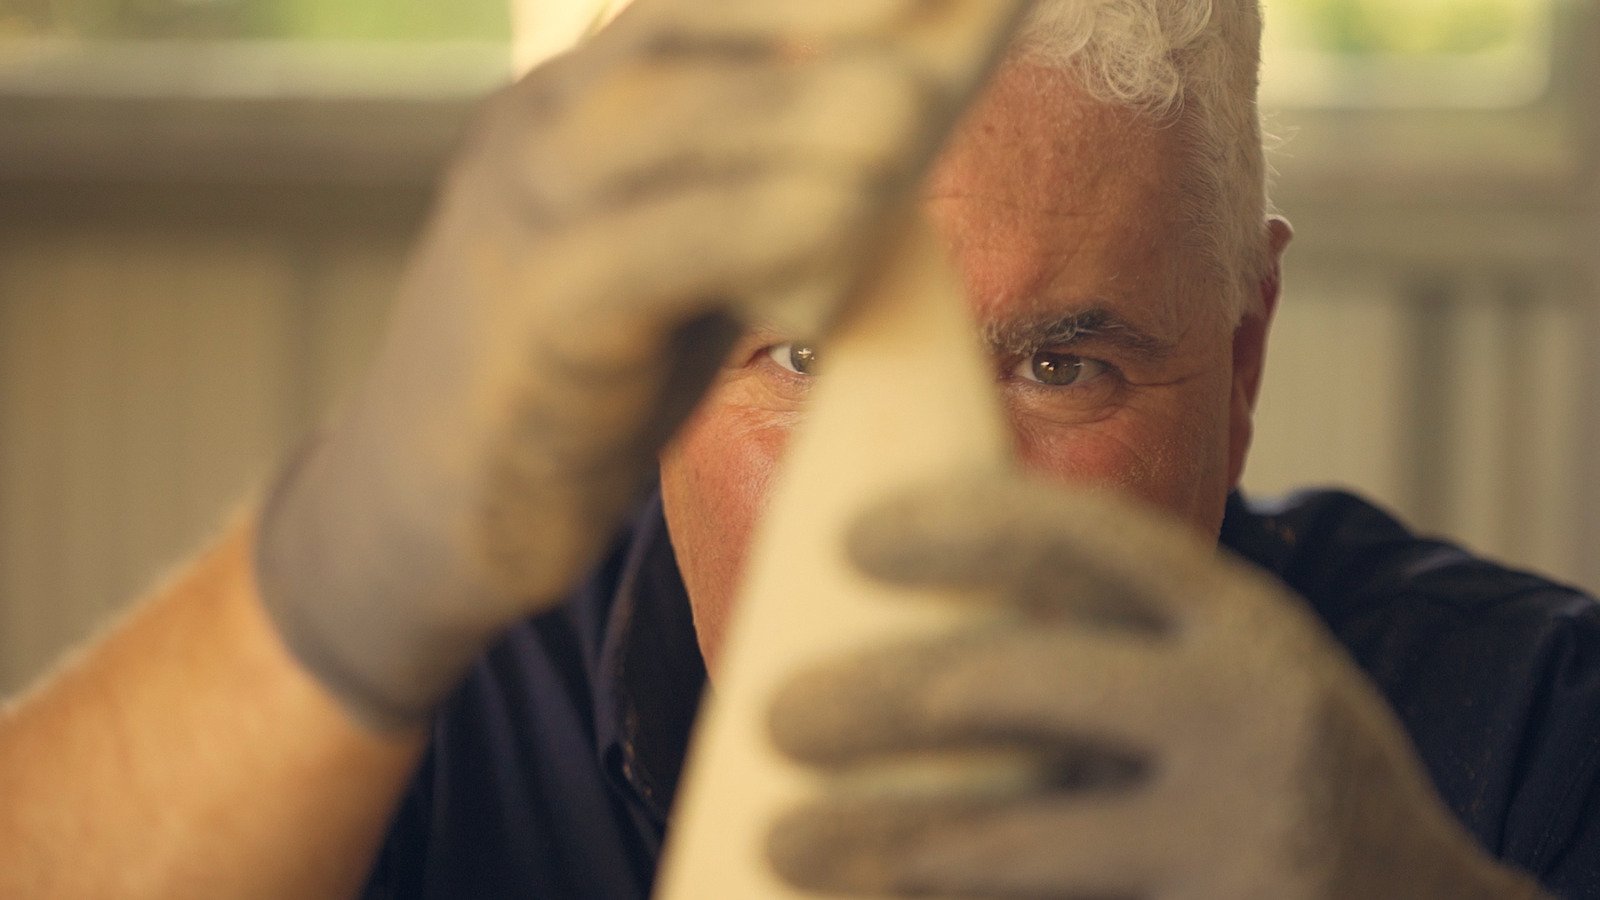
1164	462
731	428
731	452
1081	455
716	477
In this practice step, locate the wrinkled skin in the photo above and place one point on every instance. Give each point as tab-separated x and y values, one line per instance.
1053	205
610	224
1187	729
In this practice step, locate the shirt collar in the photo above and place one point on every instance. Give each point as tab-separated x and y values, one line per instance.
648	673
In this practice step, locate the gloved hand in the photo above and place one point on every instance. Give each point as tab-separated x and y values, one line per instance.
1183	727
609	226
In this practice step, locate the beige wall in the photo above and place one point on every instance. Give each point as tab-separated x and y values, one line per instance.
1465	401
159	347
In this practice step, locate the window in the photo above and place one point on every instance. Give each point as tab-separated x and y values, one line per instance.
1406	53
253	48
342	20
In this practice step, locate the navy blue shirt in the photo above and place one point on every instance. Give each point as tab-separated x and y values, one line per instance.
551	771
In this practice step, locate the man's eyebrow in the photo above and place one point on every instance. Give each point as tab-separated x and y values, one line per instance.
1017	337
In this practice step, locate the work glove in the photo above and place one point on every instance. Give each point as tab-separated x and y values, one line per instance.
1131	715
609	226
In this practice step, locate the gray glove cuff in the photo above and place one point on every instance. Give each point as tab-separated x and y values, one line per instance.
353	592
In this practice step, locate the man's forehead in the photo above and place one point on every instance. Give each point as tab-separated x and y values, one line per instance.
1056	206
1033	121
1022	328
1025	272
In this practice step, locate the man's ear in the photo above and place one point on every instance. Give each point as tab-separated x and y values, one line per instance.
1250	349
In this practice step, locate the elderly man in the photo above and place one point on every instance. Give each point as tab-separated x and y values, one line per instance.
454	655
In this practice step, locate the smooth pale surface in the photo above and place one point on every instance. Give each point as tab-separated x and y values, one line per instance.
541	29
903	395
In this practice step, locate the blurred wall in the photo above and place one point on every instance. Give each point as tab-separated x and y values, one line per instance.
187	277
184	285
1438	346
159	347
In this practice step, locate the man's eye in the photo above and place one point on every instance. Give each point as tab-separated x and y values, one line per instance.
798	358
1059	369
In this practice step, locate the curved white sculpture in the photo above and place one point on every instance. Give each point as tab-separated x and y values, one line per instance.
904	395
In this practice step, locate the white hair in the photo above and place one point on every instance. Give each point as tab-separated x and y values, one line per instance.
1193	61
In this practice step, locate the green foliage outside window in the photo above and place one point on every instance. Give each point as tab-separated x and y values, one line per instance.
1365	28
1351	28
363	20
